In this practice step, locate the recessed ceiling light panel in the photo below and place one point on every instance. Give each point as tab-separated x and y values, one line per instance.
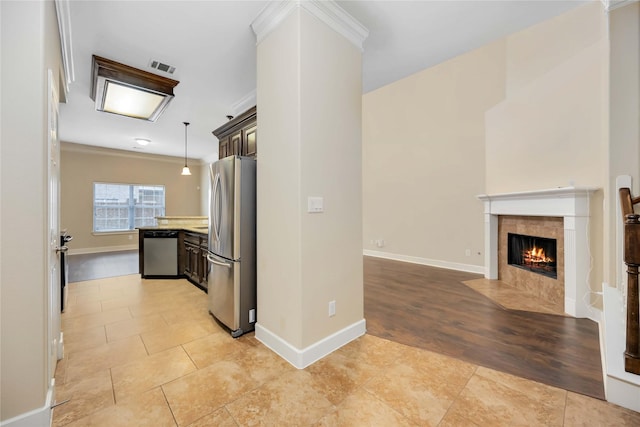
130	100
120	89
142	141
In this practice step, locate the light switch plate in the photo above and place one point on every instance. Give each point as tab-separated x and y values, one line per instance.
332	308
315	204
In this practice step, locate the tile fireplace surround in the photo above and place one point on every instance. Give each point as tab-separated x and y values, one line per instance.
546	288
569	203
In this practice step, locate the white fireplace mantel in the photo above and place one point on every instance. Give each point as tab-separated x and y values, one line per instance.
570	203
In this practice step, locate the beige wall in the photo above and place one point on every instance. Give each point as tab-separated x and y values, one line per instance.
82	165
551	130
541	48
309	99
624	134
29	46
205	186
486	122
278	195
423	159
330	166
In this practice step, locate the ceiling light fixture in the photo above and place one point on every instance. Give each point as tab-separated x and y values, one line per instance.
120	89
185	169
142	141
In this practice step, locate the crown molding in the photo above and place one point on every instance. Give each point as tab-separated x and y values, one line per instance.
244	103
327	11
270	17
610	5
64	27
103	151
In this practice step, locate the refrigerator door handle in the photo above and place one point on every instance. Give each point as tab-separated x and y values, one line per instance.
216	206
213	261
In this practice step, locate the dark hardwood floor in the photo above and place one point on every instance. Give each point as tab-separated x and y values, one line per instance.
100	265
431	308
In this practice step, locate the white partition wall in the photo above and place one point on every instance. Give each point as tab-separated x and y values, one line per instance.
309	189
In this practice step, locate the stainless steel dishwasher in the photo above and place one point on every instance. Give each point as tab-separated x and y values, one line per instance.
160	253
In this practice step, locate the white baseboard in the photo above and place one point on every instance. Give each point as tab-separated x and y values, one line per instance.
622	393
307	356
621	387
588	311
469	268
595	314
102	249
61	346
40	417
603	354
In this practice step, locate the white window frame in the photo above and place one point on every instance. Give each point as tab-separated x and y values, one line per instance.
131	203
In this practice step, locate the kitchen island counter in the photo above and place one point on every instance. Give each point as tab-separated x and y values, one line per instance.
191	245
203	229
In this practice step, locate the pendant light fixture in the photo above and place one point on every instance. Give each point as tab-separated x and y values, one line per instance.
185	169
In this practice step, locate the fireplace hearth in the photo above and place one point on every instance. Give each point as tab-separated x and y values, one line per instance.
535	254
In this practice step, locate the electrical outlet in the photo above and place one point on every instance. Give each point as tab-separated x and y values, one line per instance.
332	308
380	243
252	315
467	252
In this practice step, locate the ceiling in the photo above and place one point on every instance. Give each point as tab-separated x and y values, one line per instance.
212	47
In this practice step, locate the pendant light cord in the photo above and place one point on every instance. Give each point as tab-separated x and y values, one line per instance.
185	143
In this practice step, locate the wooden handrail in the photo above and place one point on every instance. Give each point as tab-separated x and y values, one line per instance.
632	260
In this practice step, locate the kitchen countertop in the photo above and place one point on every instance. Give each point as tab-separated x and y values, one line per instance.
202	229
192	224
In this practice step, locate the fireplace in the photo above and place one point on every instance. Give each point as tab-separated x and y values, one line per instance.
570	205
530	257
535	254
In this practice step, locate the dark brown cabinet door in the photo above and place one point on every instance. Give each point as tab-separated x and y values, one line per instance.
204	268
195	264
236	143
224	149
250	134
191	262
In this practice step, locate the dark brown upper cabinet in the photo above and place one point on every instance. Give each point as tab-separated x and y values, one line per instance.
239	136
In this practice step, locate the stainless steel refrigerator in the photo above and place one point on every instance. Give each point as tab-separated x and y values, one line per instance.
232	243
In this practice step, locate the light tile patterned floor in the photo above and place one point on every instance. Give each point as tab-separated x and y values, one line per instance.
147	353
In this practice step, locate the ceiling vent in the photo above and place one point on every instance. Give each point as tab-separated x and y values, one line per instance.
165	68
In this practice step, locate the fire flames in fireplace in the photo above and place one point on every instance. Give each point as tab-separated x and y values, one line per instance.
536	254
